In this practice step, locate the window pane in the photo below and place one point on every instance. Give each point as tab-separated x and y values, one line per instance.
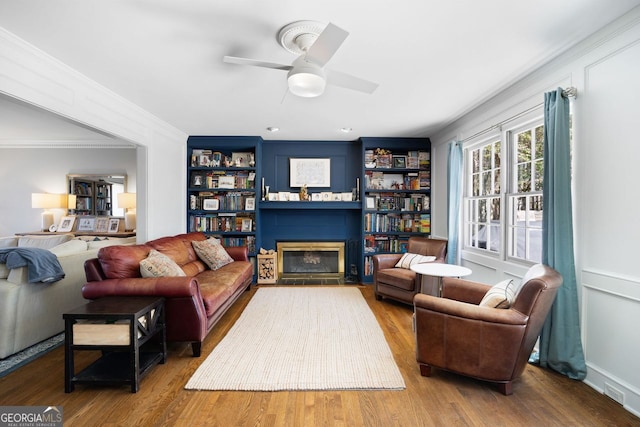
496	182
524	146
475	161
535	245
486	157
524	178
495	209
476	185
486	183
539	142
539	171
496	155
482	210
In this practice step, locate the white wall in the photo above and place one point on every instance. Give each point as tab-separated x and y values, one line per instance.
44	170
32	76
605	70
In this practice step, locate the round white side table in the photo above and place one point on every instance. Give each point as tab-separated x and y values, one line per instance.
439	270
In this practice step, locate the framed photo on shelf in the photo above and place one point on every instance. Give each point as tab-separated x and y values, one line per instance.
210	204
86	223
66	224
247	225
283	196
250	204
347	196
336	197
326	196
400	162
370	203
316	197
314	173
197	179
294	197
241	160
114	224
102	224
227	181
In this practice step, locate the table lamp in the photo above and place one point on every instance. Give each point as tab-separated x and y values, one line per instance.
48	201
127	201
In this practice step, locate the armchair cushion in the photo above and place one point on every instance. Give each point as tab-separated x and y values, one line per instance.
410	259
158	264
212	253
500	295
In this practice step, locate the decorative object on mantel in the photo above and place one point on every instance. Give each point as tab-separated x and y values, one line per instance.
267	266
48	201
127	201
304	194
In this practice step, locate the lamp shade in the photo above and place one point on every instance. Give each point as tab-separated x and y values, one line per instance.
127	200
48	201
307	82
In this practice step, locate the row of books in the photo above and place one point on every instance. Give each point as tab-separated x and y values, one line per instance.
411	160
83	189
387	223
223	179
382	243
376	180
227	201
398	202
221	222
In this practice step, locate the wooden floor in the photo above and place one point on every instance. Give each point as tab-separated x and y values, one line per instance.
540	398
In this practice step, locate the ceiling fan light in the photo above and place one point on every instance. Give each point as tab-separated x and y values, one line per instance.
306	82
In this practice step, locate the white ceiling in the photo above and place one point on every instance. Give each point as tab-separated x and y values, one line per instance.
433	60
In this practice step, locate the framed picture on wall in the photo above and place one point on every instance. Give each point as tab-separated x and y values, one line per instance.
314	173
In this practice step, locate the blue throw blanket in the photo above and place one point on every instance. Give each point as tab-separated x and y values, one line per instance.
42	265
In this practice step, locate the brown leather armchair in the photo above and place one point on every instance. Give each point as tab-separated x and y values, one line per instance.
402	284
490	344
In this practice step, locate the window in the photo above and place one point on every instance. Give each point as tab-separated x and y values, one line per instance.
525	199
483	201
514	185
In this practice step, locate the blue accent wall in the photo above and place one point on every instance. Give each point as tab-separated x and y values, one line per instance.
300	221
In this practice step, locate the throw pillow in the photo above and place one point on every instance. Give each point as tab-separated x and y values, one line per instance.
500	295
212	253
410	259
158	264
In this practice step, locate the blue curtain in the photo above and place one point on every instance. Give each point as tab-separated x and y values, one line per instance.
454	197
560	342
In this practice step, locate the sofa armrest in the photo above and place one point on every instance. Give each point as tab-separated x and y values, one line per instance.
382	261
238	253
463	290
169	287
443	306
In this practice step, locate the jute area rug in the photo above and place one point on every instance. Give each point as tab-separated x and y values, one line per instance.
320	338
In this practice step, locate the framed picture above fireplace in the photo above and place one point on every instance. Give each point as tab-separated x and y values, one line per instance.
314	173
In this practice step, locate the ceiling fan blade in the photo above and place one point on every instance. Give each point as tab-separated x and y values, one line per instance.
326	45
348	81
255	63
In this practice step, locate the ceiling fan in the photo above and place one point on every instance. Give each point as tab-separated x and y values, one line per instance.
315	44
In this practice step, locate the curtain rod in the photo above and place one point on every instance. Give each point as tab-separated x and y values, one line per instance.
570	92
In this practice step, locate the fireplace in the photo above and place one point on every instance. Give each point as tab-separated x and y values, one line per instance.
310	260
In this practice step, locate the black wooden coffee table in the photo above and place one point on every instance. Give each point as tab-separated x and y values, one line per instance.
130	332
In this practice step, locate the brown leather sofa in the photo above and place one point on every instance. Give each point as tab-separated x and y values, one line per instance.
491	344
193	303
402	284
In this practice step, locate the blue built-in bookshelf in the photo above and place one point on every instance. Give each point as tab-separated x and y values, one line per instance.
228	178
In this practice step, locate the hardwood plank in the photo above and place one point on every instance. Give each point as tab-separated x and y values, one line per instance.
541	397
